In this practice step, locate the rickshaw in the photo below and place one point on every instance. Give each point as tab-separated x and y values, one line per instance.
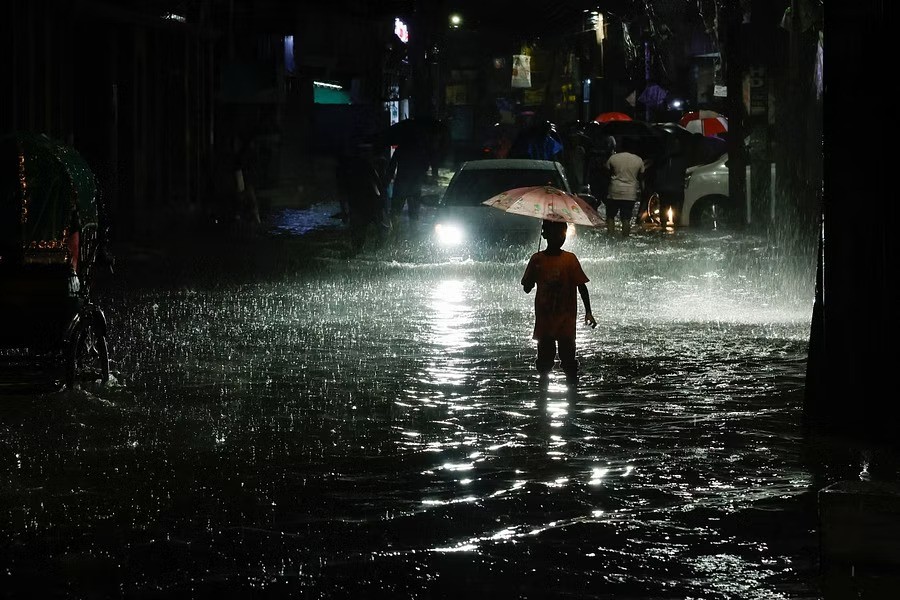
51	236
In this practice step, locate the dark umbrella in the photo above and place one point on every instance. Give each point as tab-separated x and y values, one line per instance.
647	141
419	131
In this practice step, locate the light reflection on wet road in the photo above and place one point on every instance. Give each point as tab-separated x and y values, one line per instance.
374	426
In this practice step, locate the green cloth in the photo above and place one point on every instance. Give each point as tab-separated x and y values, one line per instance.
60	190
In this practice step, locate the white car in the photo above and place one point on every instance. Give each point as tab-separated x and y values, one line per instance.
461	219
706	200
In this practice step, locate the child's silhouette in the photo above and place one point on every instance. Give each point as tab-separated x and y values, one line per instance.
557	274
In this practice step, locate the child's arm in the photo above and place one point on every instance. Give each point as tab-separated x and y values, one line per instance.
528	278
586	299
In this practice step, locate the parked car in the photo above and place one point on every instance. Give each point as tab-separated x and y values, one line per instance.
461	218
681	149
706	200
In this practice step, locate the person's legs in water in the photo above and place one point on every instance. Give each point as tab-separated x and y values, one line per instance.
398	201
567	360
359	227
414	204
611	210
626	209
546	355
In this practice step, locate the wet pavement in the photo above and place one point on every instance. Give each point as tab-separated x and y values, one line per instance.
289	421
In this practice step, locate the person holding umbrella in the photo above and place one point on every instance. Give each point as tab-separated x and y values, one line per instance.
557	275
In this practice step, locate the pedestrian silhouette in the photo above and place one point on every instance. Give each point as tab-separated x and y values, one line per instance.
557	275
359	187
626	170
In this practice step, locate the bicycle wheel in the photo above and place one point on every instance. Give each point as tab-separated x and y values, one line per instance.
654	209
87	358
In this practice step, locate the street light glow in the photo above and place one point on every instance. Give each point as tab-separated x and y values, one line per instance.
455	21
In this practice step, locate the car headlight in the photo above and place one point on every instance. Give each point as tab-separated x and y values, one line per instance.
448	234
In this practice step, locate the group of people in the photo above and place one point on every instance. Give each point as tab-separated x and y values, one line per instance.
374	190
614	175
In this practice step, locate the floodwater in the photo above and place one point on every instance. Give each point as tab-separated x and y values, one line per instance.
298	423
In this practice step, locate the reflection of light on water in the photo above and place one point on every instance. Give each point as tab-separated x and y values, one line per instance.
457	466
299	222
701	356
597	475
450	318
463	548
446	502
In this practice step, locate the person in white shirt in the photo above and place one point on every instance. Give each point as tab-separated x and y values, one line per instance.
626	171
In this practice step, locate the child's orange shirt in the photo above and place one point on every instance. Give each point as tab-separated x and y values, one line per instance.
556	301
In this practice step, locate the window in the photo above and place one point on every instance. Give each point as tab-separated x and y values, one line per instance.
471	188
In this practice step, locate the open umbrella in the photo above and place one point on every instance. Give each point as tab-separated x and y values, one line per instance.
546	203
612	116
697	114
707	122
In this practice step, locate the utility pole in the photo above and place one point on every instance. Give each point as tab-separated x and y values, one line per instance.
731	17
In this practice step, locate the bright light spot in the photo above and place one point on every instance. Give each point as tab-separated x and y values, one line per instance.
676	103
463	548
401	30
455	21
446	502
174	17
504	534
458	466
465	481
597	475
596	513
332	86
449	235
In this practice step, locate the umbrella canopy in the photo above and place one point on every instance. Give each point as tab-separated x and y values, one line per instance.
545	202
706	122
612	116
708	127
643	138
418	131
697	114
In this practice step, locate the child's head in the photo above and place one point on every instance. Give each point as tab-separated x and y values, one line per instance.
555	233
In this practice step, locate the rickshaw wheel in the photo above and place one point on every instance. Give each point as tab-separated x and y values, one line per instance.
654	209
88	356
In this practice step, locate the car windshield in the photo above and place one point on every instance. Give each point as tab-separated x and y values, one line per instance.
471	188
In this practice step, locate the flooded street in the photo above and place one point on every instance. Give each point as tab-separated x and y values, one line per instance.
296	422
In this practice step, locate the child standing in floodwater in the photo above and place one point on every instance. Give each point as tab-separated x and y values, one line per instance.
557	274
